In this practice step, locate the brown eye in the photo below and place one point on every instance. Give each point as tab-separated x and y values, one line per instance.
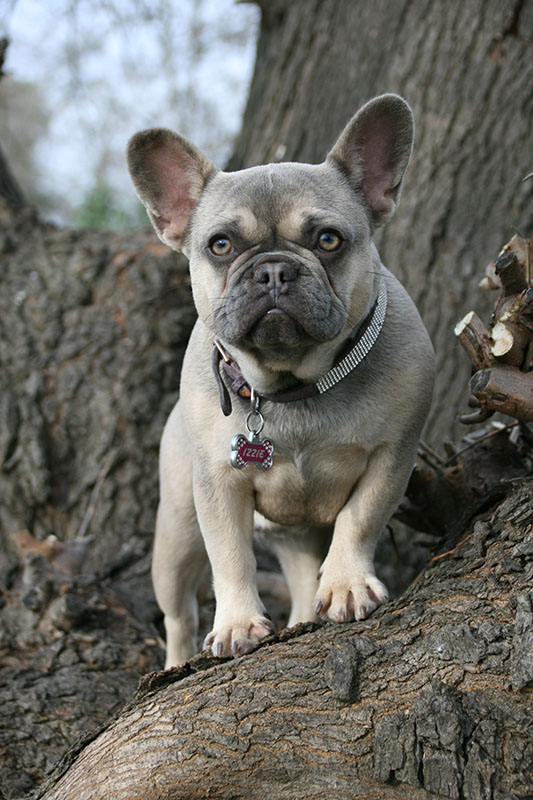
220	245
329	241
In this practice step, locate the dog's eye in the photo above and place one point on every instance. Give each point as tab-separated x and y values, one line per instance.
220	245
329	241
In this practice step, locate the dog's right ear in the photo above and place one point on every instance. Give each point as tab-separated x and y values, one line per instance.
169	174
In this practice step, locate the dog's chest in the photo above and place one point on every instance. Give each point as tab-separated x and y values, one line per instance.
309	487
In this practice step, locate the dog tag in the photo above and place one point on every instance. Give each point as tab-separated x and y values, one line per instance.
251	451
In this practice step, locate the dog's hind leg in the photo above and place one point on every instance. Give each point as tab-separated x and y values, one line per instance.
179	558
300	554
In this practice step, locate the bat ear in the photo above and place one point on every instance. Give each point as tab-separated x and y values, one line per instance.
169	174
373	151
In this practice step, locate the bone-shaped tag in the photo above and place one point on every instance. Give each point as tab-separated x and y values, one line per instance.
253	450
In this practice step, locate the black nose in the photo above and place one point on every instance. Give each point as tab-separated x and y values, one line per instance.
276	275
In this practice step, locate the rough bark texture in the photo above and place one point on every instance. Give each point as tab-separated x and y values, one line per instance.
467	70
427	699
92	331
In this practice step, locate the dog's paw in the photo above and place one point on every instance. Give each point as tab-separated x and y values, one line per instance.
239	637
343	598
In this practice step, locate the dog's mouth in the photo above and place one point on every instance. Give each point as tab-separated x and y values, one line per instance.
279	303
277	327
288	323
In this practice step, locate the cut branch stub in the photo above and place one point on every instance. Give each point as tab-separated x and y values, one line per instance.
505	389
521	247
509	388
490	280
510	343
475	339
511	274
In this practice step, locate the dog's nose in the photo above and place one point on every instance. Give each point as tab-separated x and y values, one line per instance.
275	276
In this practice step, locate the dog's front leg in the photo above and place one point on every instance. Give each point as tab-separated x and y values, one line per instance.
349	588
225	513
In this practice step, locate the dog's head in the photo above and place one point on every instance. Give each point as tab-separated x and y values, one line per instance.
280	255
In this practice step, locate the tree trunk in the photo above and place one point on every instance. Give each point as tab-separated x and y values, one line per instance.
93	328
10	191
466	68
92	332
427	699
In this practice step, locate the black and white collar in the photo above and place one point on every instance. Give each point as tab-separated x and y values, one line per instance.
364	339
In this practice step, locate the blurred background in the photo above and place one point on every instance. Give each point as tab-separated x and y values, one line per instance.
81	76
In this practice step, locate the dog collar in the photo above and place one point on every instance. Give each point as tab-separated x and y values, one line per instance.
360	345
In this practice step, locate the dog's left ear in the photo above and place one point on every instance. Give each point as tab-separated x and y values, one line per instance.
373	152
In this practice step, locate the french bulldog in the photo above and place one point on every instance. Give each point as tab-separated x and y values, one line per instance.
305	337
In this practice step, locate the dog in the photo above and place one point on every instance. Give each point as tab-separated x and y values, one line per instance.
302	335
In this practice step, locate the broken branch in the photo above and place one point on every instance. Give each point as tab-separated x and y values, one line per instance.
505	389
475	339
510	342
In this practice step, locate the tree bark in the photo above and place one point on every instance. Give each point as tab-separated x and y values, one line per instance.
467	70
92	332
10	191
427	699
93	328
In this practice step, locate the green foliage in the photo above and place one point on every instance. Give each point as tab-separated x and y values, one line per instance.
101	210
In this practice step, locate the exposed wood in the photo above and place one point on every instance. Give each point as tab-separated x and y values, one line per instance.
510	343
503	381
515	261
481	415
475	339
490	280
522	249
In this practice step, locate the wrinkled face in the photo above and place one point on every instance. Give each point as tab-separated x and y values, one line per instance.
280	257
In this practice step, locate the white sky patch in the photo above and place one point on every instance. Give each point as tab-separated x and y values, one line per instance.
104	70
